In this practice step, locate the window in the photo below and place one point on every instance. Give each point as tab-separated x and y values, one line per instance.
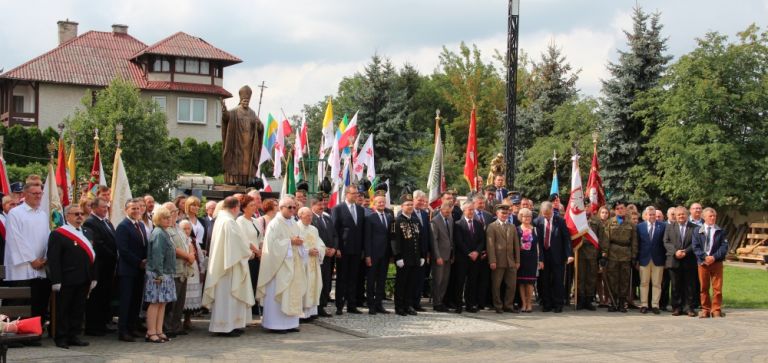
179	65
192	110
218	116
160	100
193	66
161	64
204	67
18	104
218	71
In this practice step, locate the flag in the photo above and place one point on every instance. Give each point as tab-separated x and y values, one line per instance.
595	185
388	203
71	172
372	190
268	141
289	183
97	171
297	156
61	174
121	189
51	200
279	149
304	140
267	188
335	160
321	164
5	185
348	132
436	181
340	131
287	130
328	135
470	159
366	158
555	188
575	215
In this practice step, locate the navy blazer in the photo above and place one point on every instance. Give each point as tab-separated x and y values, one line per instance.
348	233
486	220
719	248
651	249
425	230
378	243
131	250
559	239
325	230
103	242
464	242
504	194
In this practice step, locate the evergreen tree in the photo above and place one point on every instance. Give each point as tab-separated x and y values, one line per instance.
638	69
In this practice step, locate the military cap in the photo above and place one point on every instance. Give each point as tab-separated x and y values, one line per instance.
406	198
502	207
17	187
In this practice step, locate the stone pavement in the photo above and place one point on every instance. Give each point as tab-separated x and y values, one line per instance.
430	337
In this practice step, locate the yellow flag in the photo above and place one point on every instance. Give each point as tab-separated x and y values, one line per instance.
328	136
71	165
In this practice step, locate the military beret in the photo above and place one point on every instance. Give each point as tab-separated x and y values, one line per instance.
17	187
490	189
502	207
406	198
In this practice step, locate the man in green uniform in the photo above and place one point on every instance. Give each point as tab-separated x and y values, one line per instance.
588	256
620	248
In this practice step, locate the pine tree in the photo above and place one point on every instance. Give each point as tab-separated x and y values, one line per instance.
623	138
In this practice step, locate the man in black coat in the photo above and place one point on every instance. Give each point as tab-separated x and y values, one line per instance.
421	212
322	221
99	306
556	247
681	263
484	275
349	223
131	239
71	263
406	249
378	251
468	246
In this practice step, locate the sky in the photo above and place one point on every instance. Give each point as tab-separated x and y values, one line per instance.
302	49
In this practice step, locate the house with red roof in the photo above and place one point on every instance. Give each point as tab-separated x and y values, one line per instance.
182	73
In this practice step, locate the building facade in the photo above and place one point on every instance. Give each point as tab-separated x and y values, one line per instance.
182	73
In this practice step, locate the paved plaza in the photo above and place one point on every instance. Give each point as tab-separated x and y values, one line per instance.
430	337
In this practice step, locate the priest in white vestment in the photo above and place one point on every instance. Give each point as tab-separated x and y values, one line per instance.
228	292
316	250
282	274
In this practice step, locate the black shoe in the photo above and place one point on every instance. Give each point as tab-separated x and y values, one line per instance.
411	312
612	309
95	333
304	320
293	330
508	310
401	312
171	335
339	311
322	313
371	311
419	309
676	312
692	313
472	310
354	311
273	331
123	337
439	308
623	309
499	311
231	334
558	310
62	345
78	343
656	311
458	310
381	309
546	309
643	310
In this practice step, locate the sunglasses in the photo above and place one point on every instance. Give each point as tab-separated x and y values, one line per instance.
77	214
291	207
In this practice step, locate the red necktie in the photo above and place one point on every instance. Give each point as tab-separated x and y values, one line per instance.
141	233
471	227
547	233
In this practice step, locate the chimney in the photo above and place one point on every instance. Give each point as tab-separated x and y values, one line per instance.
120	29
67	30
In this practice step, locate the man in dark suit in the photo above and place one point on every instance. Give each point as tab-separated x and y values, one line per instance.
681	262
406	251
131	240
72	272
500	192
556	247
322	221
710	248
99	311
468	244
349	222
378	251
421	212
442	255
484	298
651	258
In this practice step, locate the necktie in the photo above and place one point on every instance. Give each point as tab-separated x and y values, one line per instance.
480	217
141	233
498	195
682	233
547	233
471	227
708	244
446	223
421	221
322	220
650	231
352	211
383	220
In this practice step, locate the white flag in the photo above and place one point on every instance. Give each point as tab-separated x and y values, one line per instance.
321	164
436	171
388	205
575	214
279	150
335	160
366	158
121	189
51	201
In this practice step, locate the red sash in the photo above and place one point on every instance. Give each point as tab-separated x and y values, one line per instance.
77	241
2	229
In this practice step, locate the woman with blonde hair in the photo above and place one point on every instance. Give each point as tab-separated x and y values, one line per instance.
159	287
531	259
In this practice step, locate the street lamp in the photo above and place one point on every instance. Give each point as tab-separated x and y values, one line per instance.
509	131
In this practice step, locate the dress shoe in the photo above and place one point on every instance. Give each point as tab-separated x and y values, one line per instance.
231	334
354	311
62	345
643	310
439	308
717	314
676	312
410	311
656	311
499	311
339	311
703	314
623	309
77	343
401	312
508	310
293	330
691	314
126	338
612	309
95	333
273	331
136	334
171	334
322	313
304	320
380	309
371	311
590	307
33	343
558	310
458	310
472	310
419	309
546	309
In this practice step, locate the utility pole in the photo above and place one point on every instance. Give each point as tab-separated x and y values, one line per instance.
513	22
261	94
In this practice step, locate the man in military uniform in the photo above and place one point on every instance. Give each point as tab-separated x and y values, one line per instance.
619	248
588	256
407	252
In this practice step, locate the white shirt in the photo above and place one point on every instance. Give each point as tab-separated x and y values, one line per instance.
27	233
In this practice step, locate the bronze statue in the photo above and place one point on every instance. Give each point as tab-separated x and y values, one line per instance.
241	134
498	167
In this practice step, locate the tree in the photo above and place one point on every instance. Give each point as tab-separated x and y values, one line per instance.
711	141
637	70
149	161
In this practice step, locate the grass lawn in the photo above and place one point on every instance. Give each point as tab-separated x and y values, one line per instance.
745	288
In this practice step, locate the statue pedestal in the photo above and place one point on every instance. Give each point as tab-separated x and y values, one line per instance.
221	191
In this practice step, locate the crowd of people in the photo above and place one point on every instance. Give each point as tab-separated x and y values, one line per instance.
243	257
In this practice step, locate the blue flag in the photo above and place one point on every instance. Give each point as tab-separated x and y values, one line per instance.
555	189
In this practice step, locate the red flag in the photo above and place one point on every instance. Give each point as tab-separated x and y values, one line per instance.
575	215
303	136
470	159
61	174
595	185
96	176
286	127
5	185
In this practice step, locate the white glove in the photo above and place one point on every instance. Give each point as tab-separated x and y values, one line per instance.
93	284
400	263
56	287
421	262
